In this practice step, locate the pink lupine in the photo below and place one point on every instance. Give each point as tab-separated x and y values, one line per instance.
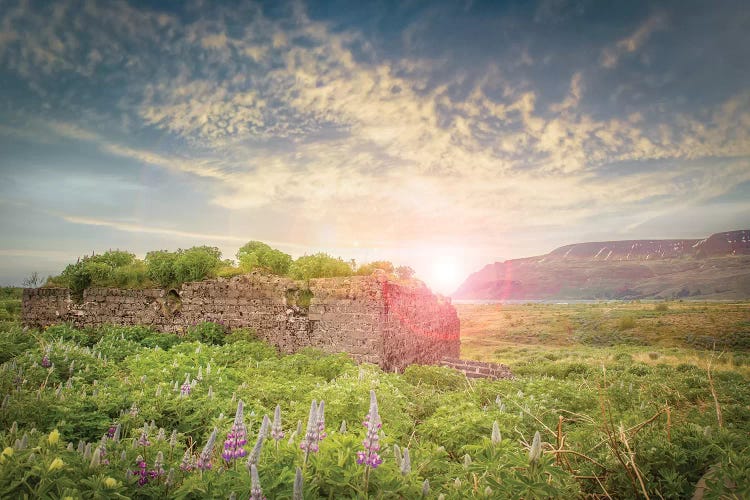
185	387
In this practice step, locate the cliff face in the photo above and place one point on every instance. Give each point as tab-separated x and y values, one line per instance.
717	267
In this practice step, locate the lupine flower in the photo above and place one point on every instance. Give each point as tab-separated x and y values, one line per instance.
210	392
535	452
405	463
143	440
256	493
123	456
96	458
134	410
46	363
254	456
170	477
161	435
159	464
310	441
56	464
204	460
234	444
467	461
111	431
496	436
158	391
173	439
276	431
322	421
54	437
87	452
142	472
370	457
185	387
488	492
297	492
110	482
342	429
426	487
187	462
199	377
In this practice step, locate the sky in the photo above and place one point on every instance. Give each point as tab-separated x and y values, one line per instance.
440	135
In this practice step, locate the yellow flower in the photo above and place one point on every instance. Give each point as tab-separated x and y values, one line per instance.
54	437
7	452
55	465
110	482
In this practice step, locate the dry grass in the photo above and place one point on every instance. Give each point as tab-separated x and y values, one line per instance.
511	332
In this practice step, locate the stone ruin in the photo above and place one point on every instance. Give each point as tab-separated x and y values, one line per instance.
372	318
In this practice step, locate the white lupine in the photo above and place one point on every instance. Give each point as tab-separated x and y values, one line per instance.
535	451
496	436
297	492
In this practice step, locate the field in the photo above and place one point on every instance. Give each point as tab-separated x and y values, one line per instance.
672	333
626	400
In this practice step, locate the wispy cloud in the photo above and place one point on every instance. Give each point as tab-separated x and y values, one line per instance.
611	55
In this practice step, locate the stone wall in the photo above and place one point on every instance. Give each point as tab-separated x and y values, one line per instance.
477	369
369	317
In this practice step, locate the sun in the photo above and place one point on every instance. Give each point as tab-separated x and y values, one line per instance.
445	274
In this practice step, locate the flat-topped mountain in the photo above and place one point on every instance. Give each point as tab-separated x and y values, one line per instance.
717	267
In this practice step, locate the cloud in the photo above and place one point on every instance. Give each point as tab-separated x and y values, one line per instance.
305	117
611	55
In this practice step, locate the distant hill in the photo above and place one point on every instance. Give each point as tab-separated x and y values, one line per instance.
717	267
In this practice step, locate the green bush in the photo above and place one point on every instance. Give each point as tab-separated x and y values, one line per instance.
319	265
207	332
256	254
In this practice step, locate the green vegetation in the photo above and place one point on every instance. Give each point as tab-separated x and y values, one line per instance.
602	424
319	265
165	269
10	303
256	254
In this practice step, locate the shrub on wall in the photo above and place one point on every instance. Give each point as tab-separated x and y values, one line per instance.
319	265
256	254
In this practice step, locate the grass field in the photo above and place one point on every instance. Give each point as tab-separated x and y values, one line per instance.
671	333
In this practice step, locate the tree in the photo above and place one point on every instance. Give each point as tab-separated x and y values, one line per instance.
369	268
33	281
256	254
319	265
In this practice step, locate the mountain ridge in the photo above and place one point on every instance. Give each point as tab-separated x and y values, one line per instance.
715	267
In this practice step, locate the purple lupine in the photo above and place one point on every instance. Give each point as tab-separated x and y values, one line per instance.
234	445
322	421
142	473
204	460
111	431
256	493
370	457
46	363
185	387
276	431
103	451
310	441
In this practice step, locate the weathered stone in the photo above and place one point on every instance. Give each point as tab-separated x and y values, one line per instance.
371	318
